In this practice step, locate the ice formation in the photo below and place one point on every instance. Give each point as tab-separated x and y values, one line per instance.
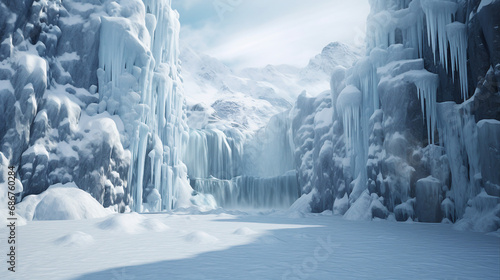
252	192
457	37
350	106
138	80
105	110
427	84
438	15
387	103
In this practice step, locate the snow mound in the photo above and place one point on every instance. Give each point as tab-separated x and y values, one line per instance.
244	231
132	223
75	239
269	239
360	210
303	203
154	225
62	202
482	215
200	237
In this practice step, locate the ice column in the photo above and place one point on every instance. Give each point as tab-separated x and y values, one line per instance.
138	80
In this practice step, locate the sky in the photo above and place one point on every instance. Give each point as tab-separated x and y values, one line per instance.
255	33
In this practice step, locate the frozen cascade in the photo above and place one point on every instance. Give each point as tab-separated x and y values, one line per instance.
427	84
438	15
457	37
211	153
269	153
251	192
138	80
459	136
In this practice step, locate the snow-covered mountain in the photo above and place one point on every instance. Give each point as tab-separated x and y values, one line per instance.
248	98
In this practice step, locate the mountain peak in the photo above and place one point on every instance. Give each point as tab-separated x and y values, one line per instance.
334	54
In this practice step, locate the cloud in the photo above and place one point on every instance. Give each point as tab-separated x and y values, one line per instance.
257	33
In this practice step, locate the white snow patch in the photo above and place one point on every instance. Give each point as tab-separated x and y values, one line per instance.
61	202
75	239
200	237
132	223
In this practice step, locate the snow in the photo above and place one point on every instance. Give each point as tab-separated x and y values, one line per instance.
75	239
61	202
360	210
69	56
200	237
229	245
132	223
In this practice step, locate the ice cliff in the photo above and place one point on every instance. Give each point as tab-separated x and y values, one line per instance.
412	130
91	94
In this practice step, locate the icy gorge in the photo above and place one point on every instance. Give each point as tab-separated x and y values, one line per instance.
93	97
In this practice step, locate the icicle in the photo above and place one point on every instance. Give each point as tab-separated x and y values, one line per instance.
142	145
457	37
427	84
413	21
438	14
349	105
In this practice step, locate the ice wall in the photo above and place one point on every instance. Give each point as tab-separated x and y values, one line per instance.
397	139
100	100
139	81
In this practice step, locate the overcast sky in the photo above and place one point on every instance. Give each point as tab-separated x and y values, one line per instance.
254	33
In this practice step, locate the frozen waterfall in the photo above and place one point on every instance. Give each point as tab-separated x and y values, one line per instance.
138	80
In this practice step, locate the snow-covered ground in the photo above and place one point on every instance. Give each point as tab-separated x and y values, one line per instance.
188	244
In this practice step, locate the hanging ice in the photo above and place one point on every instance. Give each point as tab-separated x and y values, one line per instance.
438	15
349	106
457	37
427	84
411	23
